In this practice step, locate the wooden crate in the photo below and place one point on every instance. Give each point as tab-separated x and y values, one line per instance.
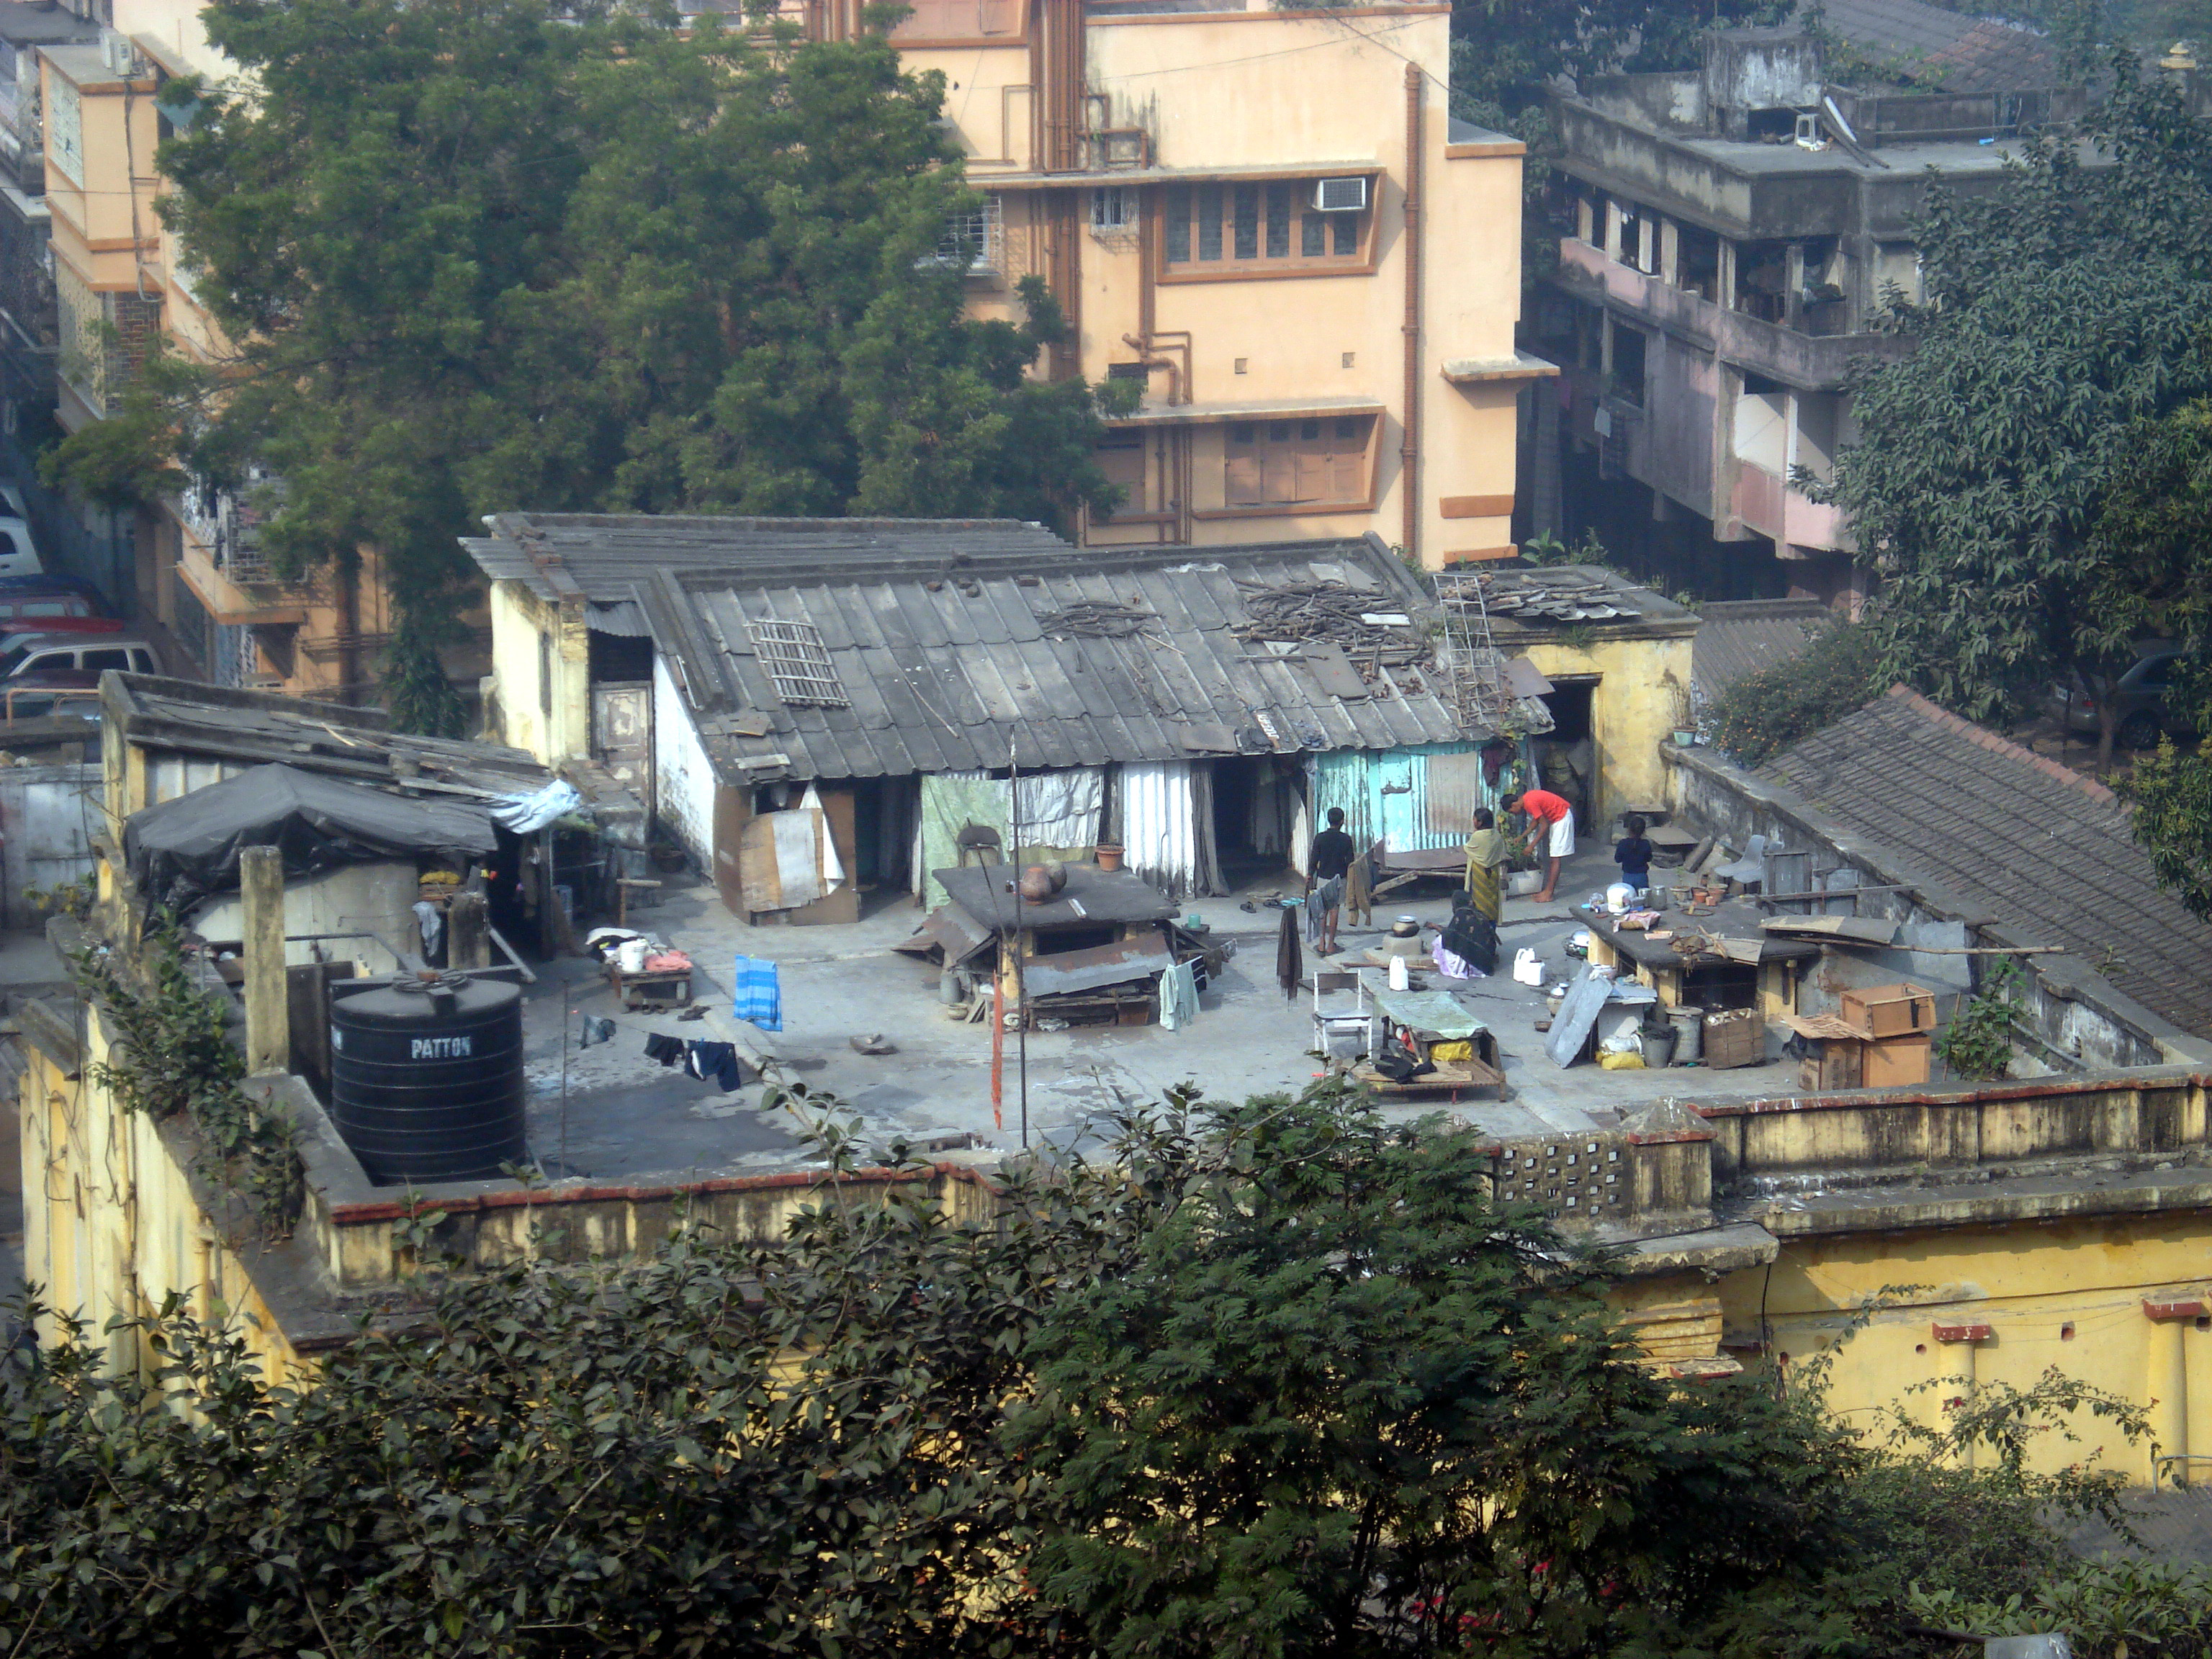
1896	1062
1740	1041
1888	1011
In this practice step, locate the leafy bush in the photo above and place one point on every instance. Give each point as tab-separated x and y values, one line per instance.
1272	1379
2117	1608
1978	1042
1764	712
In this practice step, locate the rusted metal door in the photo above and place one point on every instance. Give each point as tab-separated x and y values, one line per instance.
622	734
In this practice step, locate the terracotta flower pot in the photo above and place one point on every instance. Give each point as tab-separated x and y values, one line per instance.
1108	856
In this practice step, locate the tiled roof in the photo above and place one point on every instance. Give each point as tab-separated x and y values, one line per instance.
2014	835
952	639
1740	636
1946	51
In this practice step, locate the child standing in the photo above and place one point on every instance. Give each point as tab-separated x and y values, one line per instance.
1633	853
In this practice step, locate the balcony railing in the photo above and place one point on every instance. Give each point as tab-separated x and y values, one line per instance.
1809	362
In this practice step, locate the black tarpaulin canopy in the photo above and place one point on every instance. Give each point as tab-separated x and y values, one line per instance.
185	850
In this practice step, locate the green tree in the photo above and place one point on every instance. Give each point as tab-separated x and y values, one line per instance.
1767	710
2159	517
2063	316
1506	53
1272	1378
500	256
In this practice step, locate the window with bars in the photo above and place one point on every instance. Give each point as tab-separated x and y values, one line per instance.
1308	461
1269	225
973	241
798	664
1113	210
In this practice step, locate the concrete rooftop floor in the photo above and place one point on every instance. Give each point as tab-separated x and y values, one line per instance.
628	1117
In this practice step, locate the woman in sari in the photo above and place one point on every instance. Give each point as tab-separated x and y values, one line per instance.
1488	849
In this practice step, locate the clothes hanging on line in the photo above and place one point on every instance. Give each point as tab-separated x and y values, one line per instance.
667	1050
757	995
715	1062
1178	996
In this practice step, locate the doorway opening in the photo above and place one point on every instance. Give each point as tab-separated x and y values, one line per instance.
1254	799
1566	759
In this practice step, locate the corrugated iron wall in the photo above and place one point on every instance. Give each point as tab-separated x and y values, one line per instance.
1411	798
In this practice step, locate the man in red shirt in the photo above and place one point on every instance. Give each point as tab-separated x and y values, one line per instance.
1550	831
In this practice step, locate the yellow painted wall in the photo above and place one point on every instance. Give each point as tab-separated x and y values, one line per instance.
111	1223
518	620
2031	1283
1643	694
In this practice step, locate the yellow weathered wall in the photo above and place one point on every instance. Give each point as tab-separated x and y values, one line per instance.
1643	694
518	618
112	1226
2029	1282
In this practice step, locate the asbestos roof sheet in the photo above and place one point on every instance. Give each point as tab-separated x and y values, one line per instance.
2012	836
956	643
1102	964
1741	636
219	722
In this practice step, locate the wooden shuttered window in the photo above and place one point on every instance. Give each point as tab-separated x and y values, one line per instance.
1305	461
960	20
1271	225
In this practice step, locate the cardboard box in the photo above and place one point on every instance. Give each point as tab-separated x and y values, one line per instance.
1888	1011
1895	1062
1836	1063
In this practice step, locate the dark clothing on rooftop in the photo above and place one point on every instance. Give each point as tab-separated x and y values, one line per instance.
1332	855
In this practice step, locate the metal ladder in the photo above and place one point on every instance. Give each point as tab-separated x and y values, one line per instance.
1471	653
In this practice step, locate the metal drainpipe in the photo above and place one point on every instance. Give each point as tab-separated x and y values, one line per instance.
1409	452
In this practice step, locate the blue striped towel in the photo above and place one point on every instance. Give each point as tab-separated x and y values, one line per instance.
757	995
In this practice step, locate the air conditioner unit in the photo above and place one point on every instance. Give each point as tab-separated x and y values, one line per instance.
1340	195
115	47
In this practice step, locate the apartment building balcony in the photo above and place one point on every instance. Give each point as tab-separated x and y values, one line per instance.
1795	523
220	558
1779	353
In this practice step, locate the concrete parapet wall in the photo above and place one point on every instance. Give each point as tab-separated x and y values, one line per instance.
2160	1113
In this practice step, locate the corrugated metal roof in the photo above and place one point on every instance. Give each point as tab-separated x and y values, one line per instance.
1740	636
954	641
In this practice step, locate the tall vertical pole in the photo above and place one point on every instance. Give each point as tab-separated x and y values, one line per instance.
1021	985
268	1018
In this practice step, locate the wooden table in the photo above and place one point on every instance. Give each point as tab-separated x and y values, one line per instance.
1430	1017
1770	975
661	987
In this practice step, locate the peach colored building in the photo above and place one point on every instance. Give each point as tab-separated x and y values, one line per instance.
119	283
1269	219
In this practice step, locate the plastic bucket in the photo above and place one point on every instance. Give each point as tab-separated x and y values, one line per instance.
1659	1048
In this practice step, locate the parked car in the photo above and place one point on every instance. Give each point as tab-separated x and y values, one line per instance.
53	605
25	657
19	551
2144	712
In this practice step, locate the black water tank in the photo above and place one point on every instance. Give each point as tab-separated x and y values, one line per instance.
426	1079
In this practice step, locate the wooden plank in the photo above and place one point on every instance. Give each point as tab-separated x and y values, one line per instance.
1475	507
1860	930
